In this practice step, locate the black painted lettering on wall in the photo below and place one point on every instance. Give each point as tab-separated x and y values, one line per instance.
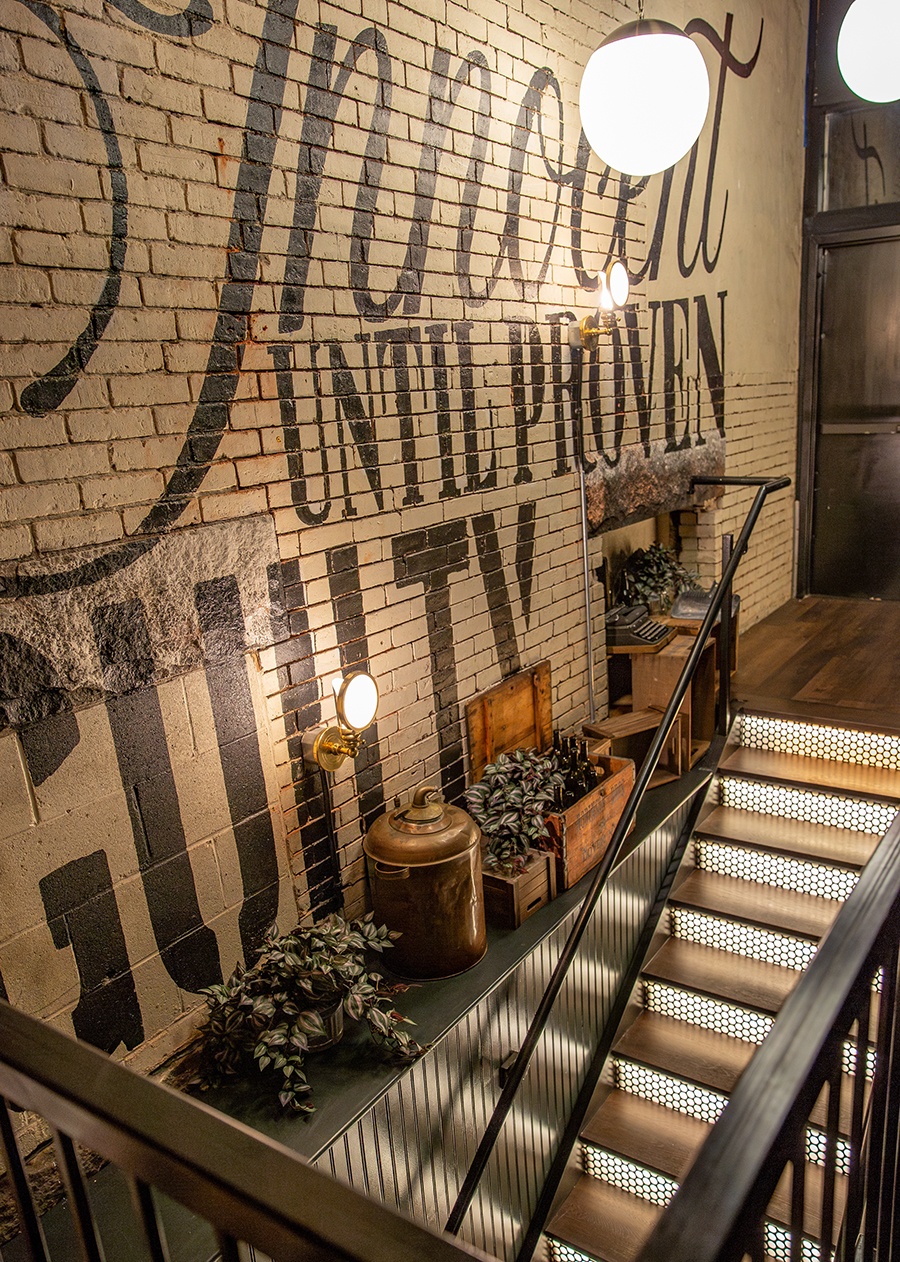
650	267
867	153
224	647
490	562
82	913
525	416
34	703
641	386
194	19
230	335
187	946
282	358
348	404
564	385
475	479
728	62
674	370
346	588
712	357
320	112
525	524
435	334
578	180
302	710
49	391
428	557
399	340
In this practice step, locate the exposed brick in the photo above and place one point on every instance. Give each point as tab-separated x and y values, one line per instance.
130	488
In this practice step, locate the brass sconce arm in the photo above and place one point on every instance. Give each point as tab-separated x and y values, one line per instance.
356	701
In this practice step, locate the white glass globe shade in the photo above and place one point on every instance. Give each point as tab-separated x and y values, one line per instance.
356	699
868	49
617	280
644	97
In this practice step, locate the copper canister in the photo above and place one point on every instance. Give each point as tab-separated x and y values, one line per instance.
425	871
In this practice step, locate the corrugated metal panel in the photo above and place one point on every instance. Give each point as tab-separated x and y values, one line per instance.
412	1149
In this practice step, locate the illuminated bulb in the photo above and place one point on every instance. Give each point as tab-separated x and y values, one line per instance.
356	699
617	283
868	49
644	97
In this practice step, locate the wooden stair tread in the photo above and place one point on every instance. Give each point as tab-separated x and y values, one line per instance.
658	1138
603	1221
816	842
776	909
667	1143
685	1051
734	978
817	773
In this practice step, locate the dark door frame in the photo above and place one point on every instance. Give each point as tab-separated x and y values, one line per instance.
824	230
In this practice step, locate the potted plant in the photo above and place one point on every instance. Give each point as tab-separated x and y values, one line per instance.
292	1000
510	804
654	577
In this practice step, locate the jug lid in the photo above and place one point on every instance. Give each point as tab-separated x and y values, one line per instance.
426	830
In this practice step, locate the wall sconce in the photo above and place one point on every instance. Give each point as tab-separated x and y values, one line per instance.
868	50
644	96
356	702
614	289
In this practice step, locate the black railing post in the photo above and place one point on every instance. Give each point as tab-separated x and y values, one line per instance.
725	636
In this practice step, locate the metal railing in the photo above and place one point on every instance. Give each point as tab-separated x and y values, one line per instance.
250	1189
831	1060
721	599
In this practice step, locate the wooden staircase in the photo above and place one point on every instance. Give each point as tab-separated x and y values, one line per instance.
800	808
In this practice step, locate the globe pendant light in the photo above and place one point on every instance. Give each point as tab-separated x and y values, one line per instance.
868	49
644	97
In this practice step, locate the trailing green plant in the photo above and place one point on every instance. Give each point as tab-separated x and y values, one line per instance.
509	804
264	1017
655	573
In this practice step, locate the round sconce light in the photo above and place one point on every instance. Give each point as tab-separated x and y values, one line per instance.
644	97
614	290
868	50
356	702
355	699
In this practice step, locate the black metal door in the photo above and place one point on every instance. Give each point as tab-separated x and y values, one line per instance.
856	506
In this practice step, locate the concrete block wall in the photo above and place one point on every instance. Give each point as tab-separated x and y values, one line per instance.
286	388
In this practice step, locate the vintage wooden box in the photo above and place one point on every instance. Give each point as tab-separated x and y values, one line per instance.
580	836
515	714
510	900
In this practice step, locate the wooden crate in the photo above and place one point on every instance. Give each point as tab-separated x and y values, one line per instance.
580	835
632	733
510	900
515	714
653	680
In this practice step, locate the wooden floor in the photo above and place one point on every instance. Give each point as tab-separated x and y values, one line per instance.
825	659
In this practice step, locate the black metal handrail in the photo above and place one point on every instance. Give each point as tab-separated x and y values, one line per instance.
248	1187
717	1214
516	1074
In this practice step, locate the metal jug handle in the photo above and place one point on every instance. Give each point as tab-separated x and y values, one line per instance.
391	873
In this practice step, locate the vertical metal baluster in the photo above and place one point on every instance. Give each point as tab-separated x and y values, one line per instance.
877	1105
886	1240
854	1207
798	1197
148	1217
79	1205
32	1232
228	1250
831	1142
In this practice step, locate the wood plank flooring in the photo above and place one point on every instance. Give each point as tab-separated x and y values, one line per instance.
826	660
